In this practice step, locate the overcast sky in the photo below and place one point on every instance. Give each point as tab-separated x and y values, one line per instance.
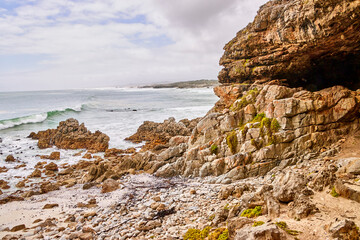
62	44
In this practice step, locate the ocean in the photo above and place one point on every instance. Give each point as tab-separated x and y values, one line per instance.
117	112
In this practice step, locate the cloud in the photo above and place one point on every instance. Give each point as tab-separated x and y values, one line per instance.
93	43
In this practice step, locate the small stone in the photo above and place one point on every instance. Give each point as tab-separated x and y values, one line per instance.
10	158
50	205
156	199
37	220
52	167
54	156
88	185
87	156
20	184
4	184
35	174
89	214
192	191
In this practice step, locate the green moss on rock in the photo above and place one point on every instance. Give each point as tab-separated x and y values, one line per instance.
214	149
258	223
232	141
275	126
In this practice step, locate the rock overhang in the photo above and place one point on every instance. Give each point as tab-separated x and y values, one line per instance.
312	44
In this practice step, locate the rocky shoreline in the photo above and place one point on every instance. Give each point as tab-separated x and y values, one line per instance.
277	157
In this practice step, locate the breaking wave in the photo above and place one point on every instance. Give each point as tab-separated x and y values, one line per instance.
35	118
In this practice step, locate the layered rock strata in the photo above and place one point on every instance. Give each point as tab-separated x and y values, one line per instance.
254	128
310	43
72	135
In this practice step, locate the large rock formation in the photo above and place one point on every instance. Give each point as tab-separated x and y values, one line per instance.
254	128
310	43
71	135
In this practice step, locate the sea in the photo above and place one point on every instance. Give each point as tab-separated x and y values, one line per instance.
117	112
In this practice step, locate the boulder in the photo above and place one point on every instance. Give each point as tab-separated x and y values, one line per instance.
287	186
156	134
263	232
71	135
348	190
344	229
109	185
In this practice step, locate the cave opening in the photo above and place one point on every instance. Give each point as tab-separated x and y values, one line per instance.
329	71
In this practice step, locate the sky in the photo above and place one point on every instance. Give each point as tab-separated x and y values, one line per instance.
65	44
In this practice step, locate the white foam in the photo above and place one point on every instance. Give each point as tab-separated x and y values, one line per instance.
22	120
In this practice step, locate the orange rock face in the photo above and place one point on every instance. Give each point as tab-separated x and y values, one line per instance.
312	44
70	135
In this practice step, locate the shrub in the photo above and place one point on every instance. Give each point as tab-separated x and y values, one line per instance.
205	232
334	193
192	234
252	212
219	234
224	235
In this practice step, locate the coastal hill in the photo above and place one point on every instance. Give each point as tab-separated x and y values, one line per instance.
186	84
277	157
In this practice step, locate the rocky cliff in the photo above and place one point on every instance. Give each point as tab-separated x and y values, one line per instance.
277	157
310	43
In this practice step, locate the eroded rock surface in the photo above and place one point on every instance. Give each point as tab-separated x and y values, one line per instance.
313	43
71	135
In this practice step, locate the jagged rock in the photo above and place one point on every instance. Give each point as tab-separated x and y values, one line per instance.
70	135
20	184
52	156
344	229
160	133
263	232
35	174
95	172
301	207
303	43
325	177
